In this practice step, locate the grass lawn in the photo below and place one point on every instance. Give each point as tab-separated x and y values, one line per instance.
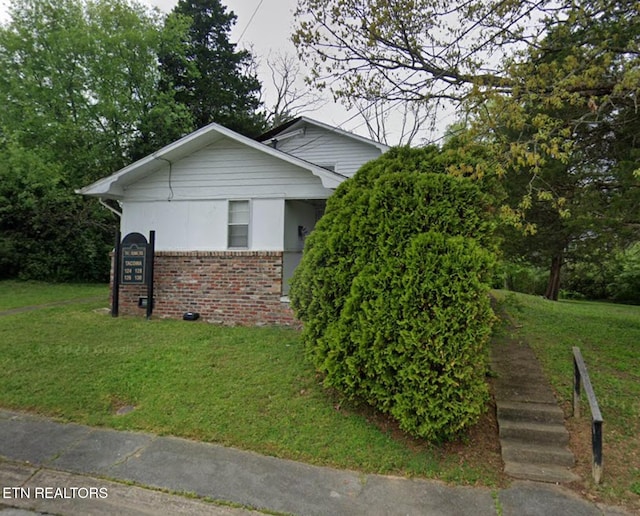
16	294
608	336
251	387
245	387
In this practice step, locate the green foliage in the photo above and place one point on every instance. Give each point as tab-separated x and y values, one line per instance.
392	292
80	77
47	230
551	91
590	280
82	95
626	284
607	274
212	79
519	276
79	93
566	135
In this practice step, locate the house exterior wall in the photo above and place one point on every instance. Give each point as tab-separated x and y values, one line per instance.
224	287
202	225
326	148
187	204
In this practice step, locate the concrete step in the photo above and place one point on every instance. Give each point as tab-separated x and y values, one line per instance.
540	472
534	412
534	433
532	393
518	451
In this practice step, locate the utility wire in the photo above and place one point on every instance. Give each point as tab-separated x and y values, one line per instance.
250	20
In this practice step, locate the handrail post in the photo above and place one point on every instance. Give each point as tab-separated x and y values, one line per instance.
576	387
581	376
596	443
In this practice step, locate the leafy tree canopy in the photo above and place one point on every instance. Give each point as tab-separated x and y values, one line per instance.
550	90
508	63
82	95
81	79
79	94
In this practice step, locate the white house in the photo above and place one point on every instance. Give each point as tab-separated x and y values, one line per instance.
231	215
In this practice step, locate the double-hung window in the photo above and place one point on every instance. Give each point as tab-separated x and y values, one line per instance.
238	230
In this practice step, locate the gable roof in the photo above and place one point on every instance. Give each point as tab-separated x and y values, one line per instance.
111	187
301	121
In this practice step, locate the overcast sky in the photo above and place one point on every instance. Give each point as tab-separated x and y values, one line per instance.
266	26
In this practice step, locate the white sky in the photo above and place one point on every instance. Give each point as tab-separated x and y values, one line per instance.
270	31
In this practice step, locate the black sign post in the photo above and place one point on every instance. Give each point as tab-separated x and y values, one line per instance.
151	247
133	266
115	294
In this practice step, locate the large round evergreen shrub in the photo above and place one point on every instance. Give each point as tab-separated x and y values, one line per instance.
392	290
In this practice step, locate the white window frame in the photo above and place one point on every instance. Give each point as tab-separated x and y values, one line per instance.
230	224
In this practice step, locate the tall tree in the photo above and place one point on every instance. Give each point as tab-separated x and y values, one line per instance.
553	88
79	90
209	76
569	136
291	98
506	54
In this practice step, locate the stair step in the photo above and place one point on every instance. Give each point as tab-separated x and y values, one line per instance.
517	451
540	472
535	412
524	393
536	433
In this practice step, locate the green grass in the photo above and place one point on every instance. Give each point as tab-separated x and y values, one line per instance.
245	387
608	336
15	294
251	387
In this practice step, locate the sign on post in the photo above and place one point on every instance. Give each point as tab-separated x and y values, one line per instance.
133	266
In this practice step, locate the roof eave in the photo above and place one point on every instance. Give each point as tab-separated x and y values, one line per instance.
303	119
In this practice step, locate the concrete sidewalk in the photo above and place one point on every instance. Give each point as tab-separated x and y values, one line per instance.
69	469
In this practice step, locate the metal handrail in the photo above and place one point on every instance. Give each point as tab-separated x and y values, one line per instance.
581	376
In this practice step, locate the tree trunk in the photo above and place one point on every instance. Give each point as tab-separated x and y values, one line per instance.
553	286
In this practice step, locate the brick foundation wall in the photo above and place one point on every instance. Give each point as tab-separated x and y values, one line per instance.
224	287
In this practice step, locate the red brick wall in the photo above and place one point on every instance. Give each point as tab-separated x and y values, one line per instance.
227	287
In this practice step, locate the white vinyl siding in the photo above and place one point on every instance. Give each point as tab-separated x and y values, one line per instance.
326	148
238	225
227	170
188	203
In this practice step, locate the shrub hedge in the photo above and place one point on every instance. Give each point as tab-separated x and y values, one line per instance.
392	290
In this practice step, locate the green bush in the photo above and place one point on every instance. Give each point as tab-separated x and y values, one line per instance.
587	280
519	276
626	284
392	292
